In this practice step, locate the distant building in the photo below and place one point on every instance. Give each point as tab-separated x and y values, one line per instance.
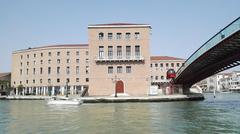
5	83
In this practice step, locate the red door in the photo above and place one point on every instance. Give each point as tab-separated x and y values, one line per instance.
119	87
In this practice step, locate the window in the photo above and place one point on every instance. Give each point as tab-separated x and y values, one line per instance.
40	80
21	57
21	63
172	64
58	61
34	71
20	82
156	77
41	61
49	61
101	52
33	81
28	56
68	70
128	52
178	64
119	36
27	63
67	80
58	53
77	53
49	70
110	52
166	64
68	53
27	81
161	64
41	54
128	36
77	69
110	35
77	79
27	71
87	60
151	65
137	51
77	60
20	71
49	81
100	36
128	69
87	79
87	69
49	53
41	70
58	80
34	55
86	52
137	35
110	70
68	60
58	70
151	78
34	62
119	69
162	77
156	65
119	52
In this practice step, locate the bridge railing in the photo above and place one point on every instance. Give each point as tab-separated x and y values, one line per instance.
217	38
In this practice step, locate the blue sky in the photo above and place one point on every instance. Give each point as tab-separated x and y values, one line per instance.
178	27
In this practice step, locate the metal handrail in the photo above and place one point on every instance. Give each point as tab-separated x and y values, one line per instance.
218	37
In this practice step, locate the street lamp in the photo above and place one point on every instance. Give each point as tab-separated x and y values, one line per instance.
67	88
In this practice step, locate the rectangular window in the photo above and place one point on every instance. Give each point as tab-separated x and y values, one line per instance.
58	53
21	57
27	63
87	60
87	69
172	64
20	71
77	79
119	69
101	52
110	52
40	80
49	70
166	64
27	71
128	36
21	63
26	81
58	80
68	53
119	52
178	64
41	61
34	62
100	36
58	61
119	36
41	54
34	71
128	52
34	55
41	70
110	35
77	53
49	53
49	81
49	61
77	69
87	79
28	56
156	77
86	52
137	52
137	35
58	70
128	69
33	81
110	70
77	61
68	60
68	70
161	64
156	65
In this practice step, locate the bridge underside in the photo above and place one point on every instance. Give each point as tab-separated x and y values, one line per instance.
224	55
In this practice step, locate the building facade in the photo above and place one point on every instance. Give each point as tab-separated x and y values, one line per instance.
119	59
49	70
159	67
5	83
115	62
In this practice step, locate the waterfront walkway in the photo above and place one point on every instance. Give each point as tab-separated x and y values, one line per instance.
110	99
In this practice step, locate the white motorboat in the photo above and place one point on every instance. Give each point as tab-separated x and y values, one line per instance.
64	101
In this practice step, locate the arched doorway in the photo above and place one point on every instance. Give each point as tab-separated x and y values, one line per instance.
119	87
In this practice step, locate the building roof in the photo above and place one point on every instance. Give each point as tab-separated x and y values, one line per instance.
119	25
165	58
4	74
55	46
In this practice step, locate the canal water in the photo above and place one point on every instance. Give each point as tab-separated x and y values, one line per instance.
219	115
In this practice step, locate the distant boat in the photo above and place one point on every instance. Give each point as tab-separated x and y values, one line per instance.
64	101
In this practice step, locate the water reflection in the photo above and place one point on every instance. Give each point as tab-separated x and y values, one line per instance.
220	115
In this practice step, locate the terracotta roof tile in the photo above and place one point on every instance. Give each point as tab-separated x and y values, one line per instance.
165	58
